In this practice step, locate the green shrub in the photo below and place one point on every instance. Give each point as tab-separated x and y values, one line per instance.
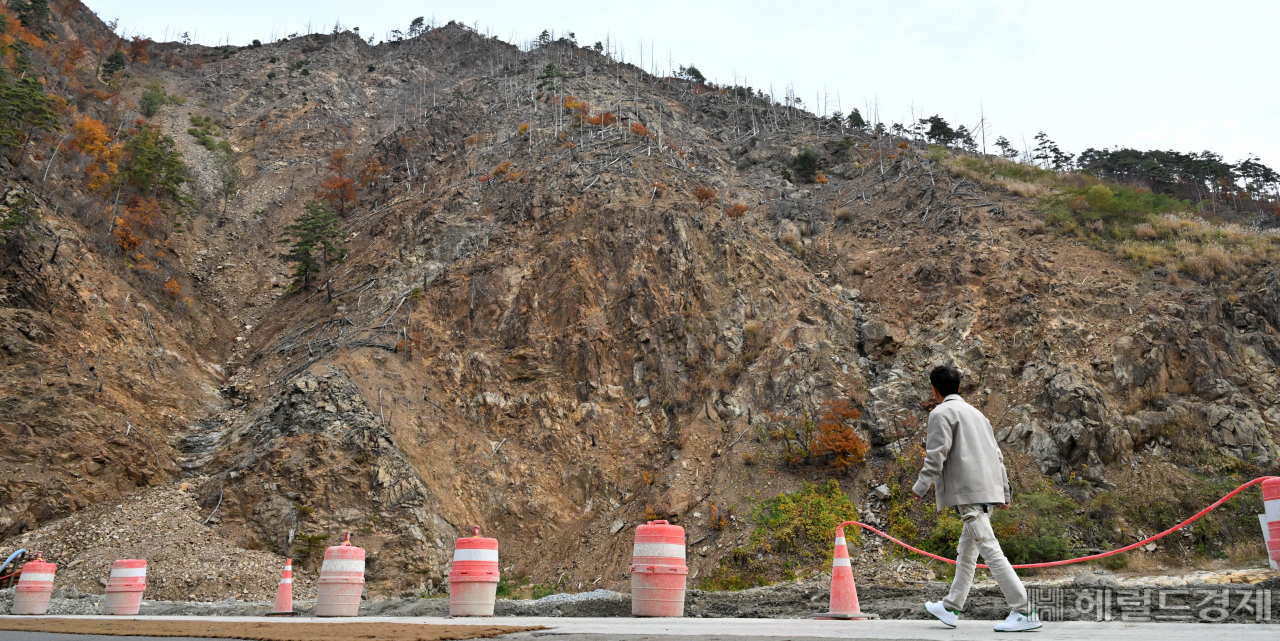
1034	530
805	519
1099	197
807	165
795	529
1117	562
151	100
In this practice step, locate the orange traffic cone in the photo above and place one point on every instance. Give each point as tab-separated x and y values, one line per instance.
284	593
844	592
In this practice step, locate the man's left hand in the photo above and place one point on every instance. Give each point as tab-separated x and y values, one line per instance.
1003	506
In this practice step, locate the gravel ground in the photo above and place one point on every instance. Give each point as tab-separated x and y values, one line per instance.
185	559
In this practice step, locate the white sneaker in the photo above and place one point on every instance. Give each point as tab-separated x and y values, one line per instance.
1019	622
947	617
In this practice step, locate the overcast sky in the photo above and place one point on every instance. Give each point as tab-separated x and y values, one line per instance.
1170	74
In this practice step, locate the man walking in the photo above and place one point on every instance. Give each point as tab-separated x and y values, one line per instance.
964	465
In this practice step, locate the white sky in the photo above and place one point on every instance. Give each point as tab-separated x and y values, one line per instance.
1169	74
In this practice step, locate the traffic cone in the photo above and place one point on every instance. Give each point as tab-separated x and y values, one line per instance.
844	592
284	593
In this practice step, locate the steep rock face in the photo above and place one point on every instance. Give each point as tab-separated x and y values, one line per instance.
317	446
542	330
95	374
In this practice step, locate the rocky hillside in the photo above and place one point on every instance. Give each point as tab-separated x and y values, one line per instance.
572	289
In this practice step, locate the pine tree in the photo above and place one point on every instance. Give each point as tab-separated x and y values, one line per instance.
115	63
1047	152
151	100
153	164
807	165
939	131
416	27
316	238
24	107
691	73
229	178
1006	148
856	121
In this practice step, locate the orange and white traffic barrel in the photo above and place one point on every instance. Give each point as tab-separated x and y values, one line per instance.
658	570
35	585
473	578
125	586
341	581
1270	519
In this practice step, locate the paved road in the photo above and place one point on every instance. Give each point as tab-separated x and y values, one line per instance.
618	629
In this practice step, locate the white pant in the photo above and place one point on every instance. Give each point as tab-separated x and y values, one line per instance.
977	538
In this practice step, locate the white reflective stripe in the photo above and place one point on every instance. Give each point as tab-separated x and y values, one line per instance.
839	540
669	550
836	563
342	565
123	573
463	554
32	576
283	581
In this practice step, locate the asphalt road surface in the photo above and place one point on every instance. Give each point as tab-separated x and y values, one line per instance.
622	629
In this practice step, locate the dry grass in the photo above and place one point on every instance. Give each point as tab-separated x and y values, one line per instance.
1190	245
1024	189
791	239
1016	178
1246	554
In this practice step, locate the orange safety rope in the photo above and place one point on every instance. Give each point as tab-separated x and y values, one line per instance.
1091	557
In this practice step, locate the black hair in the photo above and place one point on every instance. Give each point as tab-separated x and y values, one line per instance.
945	379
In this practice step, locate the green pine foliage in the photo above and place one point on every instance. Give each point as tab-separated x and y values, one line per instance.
315	242
24	108
151	101
230	176
34	15
856	121
154	166
807	165
549	75
116	62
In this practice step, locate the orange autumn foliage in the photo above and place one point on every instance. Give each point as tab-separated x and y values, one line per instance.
15	32
137	224
736	210
172	288
73	53
639	129
605	119
337	162
836	436
704	195
339	189
573	104
138	46
92	140
371	173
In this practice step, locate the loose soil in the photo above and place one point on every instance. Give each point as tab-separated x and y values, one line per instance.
272	631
